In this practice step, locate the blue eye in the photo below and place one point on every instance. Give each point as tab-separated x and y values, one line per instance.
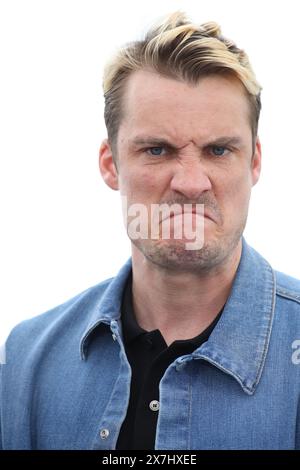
219	151
156	151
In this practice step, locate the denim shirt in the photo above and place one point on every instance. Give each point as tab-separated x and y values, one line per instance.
66	381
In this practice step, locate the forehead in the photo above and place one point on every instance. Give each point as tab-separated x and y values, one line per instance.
154	103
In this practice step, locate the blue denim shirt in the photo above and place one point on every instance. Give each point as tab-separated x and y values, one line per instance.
66	381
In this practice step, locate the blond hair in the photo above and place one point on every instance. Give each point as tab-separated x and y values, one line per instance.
181	50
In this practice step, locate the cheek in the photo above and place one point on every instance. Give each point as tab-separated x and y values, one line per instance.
234	191
140	185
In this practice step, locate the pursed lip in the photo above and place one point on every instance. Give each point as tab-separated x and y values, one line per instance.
181	211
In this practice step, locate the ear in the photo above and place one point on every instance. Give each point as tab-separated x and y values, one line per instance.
107	166
256	162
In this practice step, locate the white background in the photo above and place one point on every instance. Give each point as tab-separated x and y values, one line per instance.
61	227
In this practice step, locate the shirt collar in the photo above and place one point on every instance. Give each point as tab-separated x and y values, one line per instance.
239	342
108	309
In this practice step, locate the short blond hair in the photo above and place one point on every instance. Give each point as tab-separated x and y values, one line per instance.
178	49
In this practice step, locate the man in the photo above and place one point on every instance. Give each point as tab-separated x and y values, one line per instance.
187	347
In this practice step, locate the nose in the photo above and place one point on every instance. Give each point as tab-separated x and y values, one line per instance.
191	179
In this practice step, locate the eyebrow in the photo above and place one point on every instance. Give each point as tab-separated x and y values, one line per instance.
155	141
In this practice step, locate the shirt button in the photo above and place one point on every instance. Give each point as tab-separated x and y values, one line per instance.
154	405
104	433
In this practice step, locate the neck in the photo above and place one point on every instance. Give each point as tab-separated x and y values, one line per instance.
180	305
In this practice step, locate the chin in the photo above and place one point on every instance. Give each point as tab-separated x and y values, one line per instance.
173	255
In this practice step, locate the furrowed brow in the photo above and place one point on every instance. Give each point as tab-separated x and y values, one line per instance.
152	141
160	142
225	140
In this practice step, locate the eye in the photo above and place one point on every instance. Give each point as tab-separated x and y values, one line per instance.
219	150
155	151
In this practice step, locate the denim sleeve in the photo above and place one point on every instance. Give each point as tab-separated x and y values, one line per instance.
297	443
0	407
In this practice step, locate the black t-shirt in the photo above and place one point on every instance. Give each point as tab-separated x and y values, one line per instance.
149	357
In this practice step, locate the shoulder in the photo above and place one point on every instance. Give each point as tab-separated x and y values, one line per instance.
63	327
287	287
72	315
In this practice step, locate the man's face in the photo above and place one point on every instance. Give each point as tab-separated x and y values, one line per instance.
183	144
